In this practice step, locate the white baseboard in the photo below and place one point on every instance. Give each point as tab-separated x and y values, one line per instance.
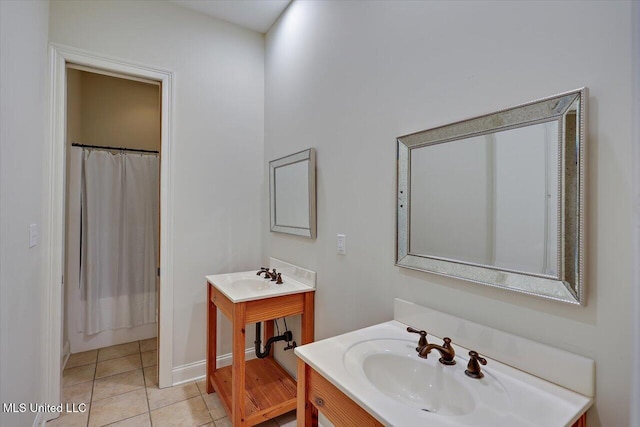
79	341
197	370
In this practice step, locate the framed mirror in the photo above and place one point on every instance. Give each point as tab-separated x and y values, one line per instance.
292	193
499	199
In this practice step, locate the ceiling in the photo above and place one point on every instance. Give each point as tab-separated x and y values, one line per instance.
257	15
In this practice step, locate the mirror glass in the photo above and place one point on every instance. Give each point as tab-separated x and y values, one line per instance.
496	209
292	194
497	199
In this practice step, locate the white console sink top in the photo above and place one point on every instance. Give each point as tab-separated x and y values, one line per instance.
247	286
378	368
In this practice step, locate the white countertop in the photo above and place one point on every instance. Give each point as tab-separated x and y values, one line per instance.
533	402
248	286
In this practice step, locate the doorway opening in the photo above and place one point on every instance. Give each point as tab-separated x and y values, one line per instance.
56	206
112	210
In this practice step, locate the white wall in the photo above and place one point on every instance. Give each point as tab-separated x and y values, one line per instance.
217	137
349	77
118	112
635	395
23	127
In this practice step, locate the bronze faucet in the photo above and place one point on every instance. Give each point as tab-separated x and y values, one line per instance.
268	274
423	337
447	352
473	367
275	277
271	275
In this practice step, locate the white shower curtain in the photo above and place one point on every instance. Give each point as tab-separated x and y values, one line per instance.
119	254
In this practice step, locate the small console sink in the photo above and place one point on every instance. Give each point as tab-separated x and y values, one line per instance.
394	368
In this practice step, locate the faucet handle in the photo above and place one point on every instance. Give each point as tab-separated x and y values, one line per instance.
273	275
279	279
448	358
423	337
473	367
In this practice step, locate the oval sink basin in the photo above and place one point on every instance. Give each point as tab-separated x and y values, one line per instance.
251	284
421	385
393	368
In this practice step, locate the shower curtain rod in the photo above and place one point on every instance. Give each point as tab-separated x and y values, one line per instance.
75	144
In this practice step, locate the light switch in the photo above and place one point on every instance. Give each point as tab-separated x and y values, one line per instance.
33	235
342	244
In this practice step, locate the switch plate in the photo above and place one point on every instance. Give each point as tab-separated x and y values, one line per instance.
342	244
33	235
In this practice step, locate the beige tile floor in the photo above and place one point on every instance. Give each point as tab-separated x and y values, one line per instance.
119	386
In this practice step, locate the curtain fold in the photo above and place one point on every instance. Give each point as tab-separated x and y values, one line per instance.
119	254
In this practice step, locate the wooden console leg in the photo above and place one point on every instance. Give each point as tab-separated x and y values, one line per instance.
238	369
582	421
212	324
308	319
306	413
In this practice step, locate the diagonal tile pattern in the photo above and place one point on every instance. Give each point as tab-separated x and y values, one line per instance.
119	385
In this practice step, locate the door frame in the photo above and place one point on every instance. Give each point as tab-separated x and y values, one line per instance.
635	220
54	211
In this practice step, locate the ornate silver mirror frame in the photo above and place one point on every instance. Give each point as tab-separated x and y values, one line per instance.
565	280
292	194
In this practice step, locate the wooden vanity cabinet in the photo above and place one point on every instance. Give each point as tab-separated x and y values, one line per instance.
256	390
316	393
582	421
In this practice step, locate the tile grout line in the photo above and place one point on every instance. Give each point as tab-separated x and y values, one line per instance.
94	379
124	419
91	399
202	394
118	373
93	386
186	399
94	382
125	372
205	405
146	391
142	370
146	385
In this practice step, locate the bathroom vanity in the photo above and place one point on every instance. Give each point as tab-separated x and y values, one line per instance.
373	377
256	390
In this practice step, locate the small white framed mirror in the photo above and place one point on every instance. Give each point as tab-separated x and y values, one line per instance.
292	194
